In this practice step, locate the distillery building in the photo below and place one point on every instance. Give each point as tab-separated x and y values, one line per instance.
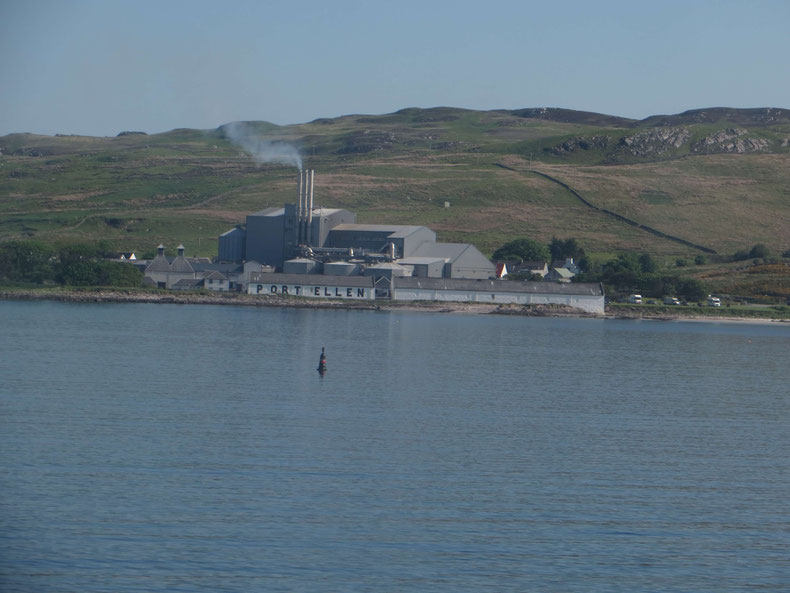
302	238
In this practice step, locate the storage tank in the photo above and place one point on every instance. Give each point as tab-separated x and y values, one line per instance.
387	270
301	265
340	268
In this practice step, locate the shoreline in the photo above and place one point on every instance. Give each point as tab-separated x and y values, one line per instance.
245	300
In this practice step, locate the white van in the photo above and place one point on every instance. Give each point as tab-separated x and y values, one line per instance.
635	299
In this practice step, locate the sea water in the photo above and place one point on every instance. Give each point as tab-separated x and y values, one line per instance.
195	448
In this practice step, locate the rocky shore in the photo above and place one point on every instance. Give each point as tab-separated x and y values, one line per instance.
236	299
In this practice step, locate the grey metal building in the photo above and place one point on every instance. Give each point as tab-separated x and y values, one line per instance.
285	237
378	237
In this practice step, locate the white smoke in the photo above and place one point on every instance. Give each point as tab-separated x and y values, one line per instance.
262	151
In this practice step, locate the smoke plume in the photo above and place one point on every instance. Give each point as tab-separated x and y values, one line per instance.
262	151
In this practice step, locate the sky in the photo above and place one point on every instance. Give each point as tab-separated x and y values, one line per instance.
99	67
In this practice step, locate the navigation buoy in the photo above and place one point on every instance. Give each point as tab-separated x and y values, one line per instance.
322	362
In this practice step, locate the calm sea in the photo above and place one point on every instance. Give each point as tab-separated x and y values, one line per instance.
195	448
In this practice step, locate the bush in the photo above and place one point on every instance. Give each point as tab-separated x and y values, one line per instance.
700	260
759	251
691	289
681	263
647	264
561	249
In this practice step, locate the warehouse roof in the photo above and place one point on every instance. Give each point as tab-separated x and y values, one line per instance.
416	261
310	279
273	211
575	288
394	231
448	251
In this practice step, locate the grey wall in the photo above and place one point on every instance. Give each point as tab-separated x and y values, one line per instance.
472	264
323	224
265	237
232	245
421	235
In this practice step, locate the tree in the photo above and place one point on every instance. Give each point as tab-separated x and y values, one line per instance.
562	249
25	261
523	250
647	264
759	251
691	289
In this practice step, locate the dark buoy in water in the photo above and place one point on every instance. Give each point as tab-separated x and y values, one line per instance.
322	362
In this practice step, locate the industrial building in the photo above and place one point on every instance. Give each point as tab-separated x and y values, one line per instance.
308	251
304	239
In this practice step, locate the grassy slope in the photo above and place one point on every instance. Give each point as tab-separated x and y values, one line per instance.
189	185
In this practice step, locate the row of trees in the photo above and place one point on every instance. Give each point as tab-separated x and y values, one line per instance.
628	272
74	264
641	273
530	250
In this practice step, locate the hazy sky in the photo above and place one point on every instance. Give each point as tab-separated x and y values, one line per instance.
98	67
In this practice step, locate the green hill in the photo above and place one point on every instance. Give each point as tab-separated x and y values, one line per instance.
713	180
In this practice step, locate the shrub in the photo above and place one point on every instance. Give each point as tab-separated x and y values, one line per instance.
647	264
759	251
700	260
560	249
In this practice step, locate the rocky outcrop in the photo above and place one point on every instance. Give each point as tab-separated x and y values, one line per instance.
653	143
762	116
581	143
730	140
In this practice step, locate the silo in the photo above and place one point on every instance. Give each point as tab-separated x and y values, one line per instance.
340	268
301	265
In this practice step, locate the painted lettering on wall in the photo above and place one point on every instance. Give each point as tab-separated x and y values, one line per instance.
337	292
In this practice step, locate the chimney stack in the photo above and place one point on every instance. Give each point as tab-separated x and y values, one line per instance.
304	208
309	233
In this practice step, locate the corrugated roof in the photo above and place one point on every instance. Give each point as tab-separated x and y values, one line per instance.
451	251
413	261
395	231
386	266
272	211
577	288
310	279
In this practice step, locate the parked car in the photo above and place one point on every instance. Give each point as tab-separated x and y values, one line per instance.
671	301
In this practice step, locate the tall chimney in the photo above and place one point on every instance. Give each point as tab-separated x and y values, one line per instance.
300	208
309	233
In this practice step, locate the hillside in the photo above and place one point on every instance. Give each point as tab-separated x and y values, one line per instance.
704	181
